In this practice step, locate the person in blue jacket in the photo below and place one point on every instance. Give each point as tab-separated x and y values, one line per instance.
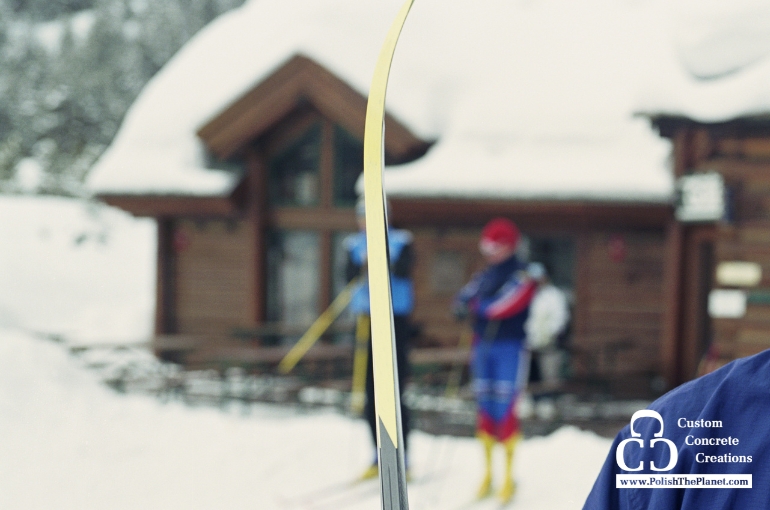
498	300
402	293
713	425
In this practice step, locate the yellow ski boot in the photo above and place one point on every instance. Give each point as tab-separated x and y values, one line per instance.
485	489
372	471
509	486
507	491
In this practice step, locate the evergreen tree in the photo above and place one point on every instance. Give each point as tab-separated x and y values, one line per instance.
62	103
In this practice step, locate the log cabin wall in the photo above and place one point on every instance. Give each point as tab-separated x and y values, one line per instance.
618	303
740	152
445	259
618	299
214	293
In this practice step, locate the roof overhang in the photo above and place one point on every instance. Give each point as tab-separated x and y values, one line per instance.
173	205
668	124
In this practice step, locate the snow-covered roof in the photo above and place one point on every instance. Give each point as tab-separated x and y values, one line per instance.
526	98
723	47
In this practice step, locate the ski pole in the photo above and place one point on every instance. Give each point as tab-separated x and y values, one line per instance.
360	361
453	384
390	435
317	329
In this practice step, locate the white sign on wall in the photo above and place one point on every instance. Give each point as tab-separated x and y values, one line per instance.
701	197
736	273
727	304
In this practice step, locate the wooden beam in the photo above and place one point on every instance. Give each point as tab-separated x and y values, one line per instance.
165	303
258	219
697	276
172	205
670	351
313	218
529	214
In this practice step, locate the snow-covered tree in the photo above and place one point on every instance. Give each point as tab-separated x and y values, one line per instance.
71	69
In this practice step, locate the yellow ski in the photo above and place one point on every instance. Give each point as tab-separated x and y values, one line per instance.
386	392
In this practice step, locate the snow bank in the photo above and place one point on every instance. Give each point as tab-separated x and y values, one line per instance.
75	268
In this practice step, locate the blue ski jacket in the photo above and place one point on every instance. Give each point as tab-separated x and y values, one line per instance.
401	287
500	294
714	425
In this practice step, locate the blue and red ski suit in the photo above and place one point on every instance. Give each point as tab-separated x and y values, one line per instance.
498	298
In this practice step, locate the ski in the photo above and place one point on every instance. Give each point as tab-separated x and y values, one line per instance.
485	502
363	490
386	392
488	501
349	498
342	494
323	493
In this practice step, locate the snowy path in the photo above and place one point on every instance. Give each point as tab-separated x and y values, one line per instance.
67	442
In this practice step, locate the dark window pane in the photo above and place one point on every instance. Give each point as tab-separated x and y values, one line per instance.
292	285
447	273
348	165
294	172
558	256
345	322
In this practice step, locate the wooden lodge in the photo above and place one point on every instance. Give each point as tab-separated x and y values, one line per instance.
240	276
717	295
662	287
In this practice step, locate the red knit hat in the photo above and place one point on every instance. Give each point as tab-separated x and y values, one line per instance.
497	234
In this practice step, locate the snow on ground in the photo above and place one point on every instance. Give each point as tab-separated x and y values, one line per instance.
67	441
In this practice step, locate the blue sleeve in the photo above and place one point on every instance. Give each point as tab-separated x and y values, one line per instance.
470	290
512	299
604	495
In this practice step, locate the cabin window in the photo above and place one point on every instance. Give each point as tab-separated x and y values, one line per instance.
557	254
339	261
312	168
348	165
447	274
293	268
339	281
294	173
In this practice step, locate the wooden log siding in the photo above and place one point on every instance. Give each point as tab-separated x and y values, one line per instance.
214	293
739	149
618	316
432	309
744	162
750	334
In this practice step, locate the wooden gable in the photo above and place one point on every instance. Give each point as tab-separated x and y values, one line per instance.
297	81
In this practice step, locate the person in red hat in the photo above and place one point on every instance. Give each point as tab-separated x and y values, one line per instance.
498	299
